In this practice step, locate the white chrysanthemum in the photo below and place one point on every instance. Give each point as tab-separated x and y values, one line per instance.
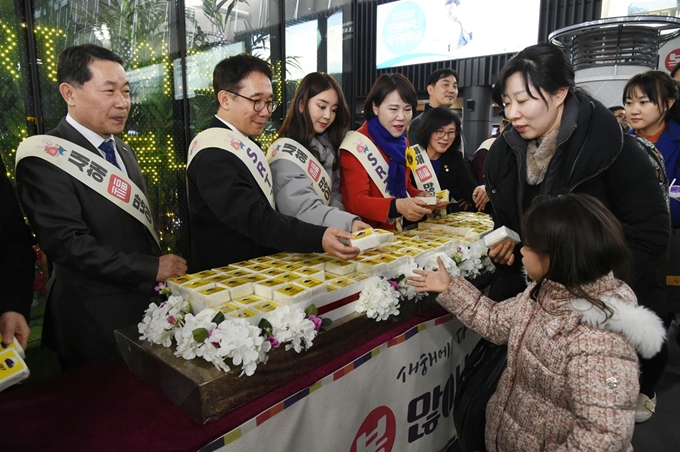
211	353
187	347
471	264
290	326
449	263
241	341
160	321
406	290
379	300
487	264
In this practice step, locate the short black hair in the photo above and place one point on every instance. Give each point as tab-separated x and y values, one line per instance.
435	119
73	64
661	90
383	86
542	66
229	72
616	108
440	74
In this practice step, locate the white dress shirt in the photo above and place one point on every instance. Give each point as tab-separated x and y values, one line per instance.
96	140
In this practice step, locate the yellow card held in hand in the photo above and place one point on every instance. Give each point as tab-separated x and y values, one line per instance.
13	369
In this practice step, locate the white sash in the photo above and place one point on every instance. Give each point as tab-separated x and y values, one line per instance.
424	174
426	177
370	158
243	148
96	173
292	151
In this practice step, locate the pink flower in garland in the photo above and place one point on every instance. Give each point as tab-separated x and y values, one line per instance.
272	340
394	284
316	320
172	320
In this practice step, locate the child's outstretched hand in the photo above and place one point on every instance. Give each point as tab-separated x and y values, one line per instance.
437	281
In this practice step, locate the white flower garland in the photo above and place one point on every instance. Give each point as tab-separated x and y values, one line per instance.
291	327
406	290
247	345
450	264
199	336
243	342
471	259
379	299
160	321
187	345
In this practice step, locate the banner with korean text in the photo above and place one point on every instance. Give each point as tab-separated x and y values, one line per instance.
397	397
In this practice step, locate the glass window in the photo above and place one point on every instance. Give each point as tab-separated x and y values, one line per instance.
334	50
315	37
13	115
301	49
216	30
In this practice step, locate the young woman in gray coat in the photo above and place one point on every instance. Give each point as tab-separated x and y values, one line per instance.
317	119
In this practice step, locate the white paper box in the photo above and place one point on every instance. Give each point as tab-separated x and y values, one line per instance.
501	234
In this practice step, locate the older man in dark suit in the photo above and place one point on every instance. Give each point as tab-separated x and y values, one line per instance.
106	261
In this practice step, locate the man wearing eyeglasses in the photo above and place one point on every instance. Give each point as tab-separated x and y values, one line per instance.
620	114
231	208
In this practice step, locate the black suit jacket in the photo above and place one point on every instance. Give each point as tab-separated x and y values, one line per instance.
455	177
105	261
231	219
17	258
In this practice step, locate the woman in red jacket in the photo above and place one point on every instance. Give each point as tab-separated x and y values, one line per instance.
375	182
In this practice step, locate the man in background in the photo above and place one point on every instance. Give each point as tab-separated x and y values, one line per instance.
442	87
620	114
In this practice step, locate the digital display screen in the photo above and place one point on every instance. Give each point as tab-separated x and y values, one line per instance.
424	31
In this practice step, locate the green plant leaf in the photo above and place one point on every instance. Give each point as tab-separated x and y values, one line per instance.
265	326
200	334
219	317
311	310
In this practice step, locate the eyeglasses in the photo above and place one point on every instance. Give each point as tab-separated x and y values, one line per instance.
258	105
444	133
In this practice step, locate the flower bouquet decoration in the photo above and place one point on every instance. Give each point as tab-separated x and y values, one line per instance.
405	290
379	299
295	328
220	341
473	260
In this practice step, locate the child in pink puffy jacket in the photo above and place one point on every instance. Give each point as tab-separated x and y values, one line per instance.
573	335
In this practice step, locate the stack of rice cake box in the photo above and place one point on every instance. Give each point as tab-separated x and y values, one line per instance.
252	289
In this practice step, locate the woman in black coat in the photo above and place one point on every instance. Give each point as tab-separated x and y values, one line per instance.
439	136
563	141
